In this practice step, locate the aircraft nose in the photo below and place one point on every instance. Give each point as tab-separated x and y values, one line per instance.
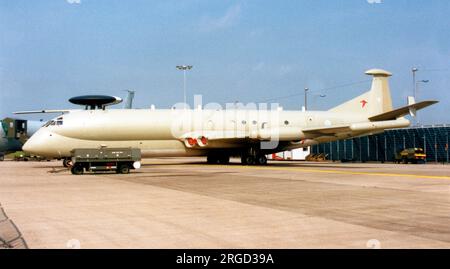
37	144
31	146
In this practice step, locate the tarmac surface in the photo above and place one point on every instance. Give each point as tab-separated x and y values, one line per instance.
184	203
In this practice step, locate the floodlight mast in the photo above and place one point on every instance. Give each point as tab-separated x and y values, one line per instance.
306	98
417	89
184	68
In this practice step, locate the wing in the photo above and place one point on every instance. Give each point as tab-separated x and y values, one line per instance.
63	111
327	131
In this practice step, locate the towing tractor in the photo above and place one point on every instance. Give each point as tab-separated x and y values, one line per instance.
119	160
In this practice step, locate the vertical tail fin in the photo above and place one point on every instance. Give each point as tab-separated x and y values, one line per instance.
376	101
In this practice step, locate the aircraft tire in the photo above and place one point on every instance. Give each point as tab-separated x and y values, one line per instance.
77	170
249	160
261	160
67	163
2	158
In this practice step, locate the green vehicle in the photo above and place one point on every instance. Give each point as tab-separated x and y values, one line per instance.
411	155
25	157
119	160
21	156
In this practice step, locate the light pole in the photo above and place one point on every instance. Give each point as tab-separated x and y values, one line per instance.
416	88
314	98
417	85
306	98
184	68
414	70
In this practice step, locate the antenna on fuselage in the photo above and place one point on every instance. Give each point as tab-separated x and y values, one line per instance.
92	102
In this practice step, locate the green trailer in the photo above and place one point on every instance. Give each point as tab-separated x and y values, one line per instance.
119	160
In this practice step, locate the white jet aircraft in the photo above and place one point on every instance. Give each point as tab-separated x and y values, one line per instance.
217	133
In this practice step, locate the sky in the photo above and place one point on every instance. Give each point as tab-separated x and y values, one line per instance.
246	51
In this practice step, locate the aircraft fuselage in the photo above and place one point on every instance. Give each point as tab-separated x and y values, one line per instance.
164	132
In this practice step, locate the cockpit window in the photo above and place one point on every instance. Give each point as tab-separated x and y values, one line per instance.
58	122
49	123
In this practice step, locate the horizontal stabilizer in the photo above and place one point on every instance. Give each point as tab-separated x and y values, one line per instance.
400	112
43	111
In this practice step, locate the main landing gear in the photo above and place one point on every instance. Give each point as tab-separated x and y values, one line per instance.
251	156
254	159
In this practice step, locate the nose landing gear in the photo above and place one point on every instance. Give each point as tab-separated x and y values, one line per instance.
67	163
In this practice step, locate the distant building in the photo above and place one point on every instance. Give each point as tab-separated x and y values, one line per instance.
434	140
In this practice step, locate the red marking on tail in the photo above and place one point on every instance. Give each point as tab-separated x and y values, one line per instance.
363	103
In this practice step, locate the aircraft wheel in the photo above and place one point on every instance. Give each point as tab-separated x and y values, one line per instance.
77	170
123	169
261	160
2	158
67	162
249	160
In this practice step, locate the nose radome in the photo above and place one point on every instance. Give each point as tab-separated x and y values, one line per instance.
30	145
37	143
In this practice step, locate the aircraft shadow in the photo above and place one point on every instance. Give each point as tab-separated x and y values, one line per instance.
287	165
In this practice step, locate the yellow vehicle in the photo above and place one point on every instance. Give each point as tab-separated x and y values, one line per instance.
411	155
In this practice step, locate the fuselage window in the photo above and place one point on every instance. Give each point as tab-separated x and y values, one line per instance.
244	122
286	122
59	122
